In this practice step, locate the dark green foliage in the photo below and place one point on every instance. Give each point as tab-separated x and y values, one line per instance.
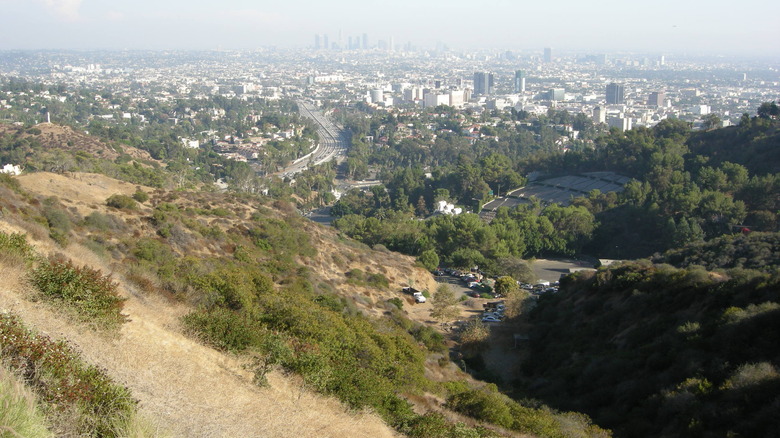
122	201
397	302
63	381
87	292
487	404
760	251
141	196
653	350
223	328
433	340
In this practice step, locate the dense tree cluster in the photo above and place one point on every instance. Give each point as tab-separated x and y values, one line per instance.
653	350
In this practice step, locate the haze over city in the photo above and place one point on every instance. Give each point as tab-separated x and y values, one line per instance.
665	26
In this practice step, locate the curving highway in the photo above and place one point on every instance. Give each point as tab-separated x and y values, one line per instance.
333	143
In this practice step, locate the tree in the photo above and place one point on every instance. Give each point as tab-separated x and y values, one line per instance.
767	110
429	259
445	304
506	286
711	121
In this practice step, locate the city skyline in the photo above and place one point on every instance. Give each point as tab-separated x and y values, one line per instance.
720	28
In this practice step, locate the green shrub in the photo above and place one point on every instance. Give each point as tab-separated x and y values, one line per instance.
121	202
90	294
15	247
57	219
152	250
62	380
378	281
485	404
397	302
433	340
10	182
140	196
222	328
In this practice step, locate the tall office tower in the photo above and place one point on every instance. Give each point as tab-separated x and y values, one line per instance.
519	81
317	42
483	83
548	56
340	41
556	94
392	44
656	98
615	94
662	60
365	41
325	43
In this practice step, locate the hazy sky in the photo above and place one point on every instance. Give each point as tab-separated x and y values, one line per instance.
662	26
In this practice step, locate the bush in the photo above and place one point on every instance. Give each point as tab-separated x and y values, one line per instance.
484	404
15	247
64	381
140	196
122	202
222	328
91	295
397	302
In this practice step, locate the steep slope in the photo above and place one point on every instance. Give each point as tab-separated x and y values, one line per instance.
652	350
187	388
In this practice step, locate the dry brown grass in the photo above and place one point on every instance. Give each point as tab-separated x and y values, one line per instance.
193	390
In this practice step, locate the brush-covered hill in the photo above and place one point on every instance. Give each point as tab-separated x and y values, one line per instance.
232	315
655	350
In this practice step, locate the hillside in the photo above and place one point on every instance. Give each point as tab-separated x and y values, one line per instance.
189	388
242	316
653	350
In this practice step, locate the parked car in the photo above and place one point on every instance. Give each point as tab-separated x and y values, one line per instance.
490	319
419	297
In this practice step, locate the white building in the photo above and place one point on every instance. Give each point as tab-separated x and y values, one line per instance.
11	169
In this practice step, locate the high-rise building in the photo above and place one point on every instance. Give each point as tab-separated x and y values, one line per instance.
317	42
615	94
556	94
519	81
325	43
548	56
599	115
483	83
656	98
365	41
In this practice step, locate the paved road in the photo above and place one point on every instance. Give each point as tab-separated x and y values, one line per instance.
551	270
334	141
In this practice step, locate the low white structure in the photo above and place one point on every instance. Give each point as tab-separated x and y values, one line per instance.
445	207
12	169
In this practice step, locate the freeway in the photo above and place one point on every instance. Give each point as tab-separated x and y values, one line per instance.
333	141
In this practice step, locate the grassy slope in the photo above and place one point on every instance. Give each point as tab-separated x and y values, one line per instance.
192	389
